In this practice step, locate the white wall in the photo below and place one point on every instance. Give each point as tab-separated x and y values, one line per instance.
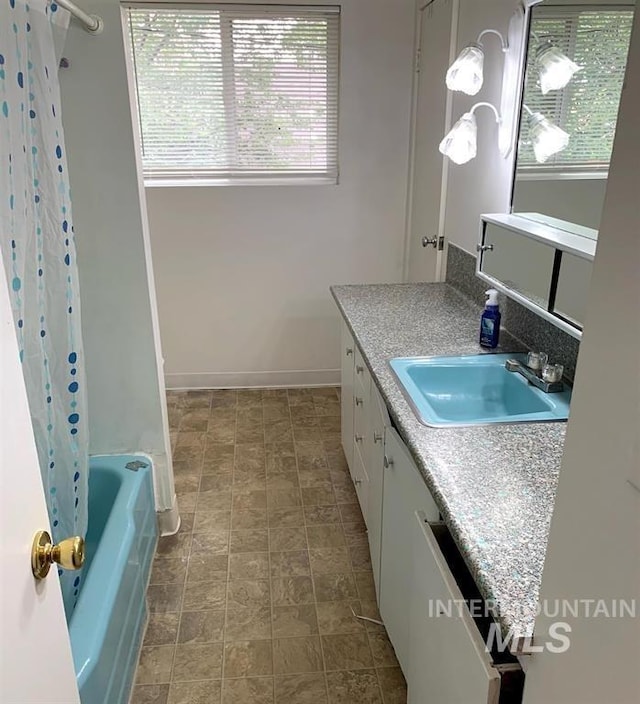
484	184
127	409
574	200
243	273
594	544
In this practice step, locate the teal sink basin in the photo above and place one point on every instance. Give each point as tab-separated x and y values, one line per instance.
474	390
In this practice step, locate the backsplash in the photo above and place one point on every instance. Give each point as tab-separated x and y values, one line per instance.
532	330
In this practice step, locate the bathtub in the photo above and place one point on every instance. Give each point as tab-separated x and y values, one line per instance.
108	621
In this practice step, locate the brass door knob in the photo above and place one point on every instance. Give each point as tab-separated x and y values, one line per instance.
69	554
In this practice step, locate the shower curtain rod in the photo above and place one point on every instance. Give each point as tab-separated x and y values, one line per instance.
92	23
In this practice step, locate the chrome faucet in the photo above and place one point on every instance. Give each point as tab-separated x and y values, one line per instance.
547	378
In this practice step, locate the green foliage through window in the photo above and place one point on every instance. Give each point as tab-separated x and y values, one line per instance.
236	92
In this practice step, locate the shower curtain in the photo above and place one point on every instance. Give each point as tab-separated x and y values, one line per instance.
36	235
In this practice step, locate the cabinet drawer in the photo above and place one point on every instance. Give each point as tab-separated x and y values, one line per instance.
448	663
348	353
361	482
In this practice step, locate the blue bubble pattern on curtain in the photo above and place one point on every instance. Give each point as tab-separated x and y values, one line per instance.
37	238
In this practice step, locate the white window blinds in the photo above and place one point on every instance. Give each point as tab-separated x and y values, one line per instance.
596	38
237	91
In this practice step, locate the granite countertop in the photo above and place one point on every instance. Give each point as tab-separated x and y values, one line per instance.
495	485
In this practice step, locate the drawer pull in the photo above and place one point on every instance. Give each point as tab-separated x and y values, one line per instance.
359	369
349	351
357	482
377	437
388	462
359	438
359	401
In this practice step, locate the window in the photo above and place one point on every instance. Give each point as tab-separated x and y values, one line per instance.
235	92
597	39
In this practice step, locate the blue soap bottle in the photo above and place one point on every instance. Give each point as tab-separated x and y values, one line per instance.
490	321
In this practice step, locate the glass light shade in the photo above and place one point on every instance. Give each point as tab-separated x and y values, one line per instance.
466	74
547	138
461	144
556	69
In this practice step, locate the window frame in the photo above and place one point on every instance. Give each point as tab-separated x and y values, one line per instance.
196	177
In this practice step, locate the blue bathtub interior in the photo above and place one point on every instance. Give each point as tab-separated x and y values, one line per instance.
107	624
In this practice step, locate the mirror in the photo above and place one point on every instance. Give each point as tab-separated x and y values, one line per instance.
576	61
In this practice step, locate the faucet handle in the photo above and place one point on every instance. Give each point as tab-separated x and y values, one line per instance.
537	361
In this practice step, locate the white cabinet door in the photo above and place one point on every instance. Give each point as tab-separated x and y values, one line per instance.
378	421
448	663
35	653
347	357
404	493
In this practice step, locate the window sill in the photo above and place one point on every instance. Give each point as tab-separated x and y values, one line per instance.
561	175
241	182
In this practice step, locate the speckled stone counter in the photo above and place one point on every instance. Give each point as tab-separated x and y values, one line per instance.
494	485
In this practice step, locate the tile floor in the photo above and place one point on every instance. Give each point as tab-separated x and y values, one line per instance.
251	601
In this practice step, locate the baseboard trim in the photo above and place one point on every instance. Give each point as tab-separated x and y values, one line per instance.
248	380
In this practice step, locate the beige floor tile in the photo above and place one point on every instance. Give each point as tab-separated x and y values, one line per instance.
175	546
360	558
287	498
155	664
291	621
201	627
320	478
150	694
214	542
278	430
330	536
336	617
197	661
321	515
204	596
334	587
355	687
202	692
346	652
289	517
393	685
285	480
249	565
169	570
249	499
329	560
248	690
286	539
249	658
162	629
290	564
310	688
164	598
207	568
249	519
249	541
366	586
289	591
220	432
248	593
218	459
248	623
318	496
214	483
214	501
211	521
297	655
382	650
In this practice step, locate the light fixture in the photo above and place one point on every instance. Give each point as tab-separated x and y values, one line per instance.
555	68
466	74
546	137
461	143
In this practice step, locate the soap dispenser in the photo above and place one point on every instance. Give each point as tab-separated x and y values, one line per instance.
490	321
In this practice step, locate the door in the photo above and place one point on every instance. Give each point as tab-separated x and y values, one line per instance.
432	115
448	662
404	493
35	654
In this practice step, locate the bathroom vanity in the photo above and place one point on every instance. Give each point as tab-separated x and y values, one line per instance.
452	514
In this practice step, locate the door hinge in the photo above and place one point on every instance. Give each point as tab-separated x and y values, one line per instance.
418	60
